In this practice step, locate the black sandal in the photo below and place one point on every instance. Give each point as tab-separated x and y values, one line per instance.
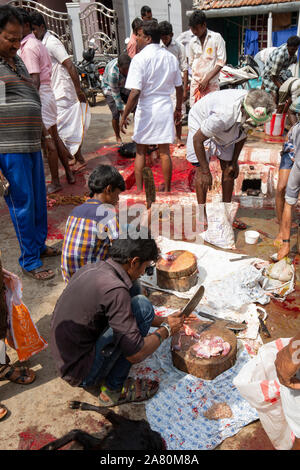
134	390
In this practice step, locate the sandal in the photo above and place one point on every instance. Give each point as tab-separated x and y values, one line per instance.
134	390
79	166
3	411
24	375
50	252
239	225
53	188
35	274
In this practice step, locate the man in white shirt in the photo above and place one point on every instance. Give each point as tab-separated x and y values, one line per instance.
72	109
216	128
167	41
207	57
153	75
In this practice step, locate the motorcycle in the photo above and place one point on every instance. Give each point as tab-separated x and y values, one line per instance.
90	72
234	77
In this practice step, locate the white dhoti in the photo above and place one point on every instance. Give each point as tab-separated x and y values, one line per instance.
49	108
73	121
154	121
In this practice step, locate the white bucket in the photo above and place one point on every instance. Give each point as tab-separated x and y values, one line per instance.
251	237
275	127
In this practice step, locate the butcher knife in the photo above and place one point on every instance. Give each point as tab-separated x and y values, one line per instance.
231	325
192	304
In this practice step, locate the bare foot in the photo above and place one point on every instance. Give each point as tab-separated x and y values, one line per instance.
284	251
278	240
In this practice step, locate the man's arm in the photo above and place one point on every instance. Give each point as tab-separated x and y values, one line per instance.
36	80
285	231
205	178
205	81
68	64
233	170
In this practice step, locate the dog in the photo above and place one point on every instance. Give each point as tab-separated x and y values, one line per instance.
125	434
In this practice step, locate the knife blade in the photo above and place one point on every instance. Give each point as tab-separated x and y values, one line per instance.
231	325
192	304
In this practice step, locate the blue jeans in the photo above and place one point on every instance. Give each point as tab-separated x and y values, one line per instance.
115	368
27	204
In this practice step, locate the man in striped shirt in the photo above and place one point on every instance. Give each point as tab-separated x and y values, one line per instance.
92	226
20	149
113	87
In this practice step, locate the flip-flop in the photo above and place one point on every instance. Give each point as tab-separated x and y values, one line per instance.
239	225
51	188
80	167
33	274
22	374
54	252
4	412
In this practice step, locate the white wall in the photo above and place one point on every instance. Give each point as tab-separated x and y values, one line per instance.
162	10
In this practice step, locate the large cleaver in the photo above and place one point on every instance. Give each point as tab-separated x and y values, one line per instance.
192	304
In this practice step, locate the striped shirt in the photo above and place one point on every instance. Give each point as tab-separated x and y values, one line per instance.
20	111
90	230
277	65
112	82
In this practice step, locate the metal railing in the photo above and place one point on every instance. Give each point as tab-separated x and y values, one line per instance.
100	23
58	23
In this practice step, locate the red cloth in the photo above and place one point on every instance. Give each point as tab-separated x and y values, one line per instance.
132	46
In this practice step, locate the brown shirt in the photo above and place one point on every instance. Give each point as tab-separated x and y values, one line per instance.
97	296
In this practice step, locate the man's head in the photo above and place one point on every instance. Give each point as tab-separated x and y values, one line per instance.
292	44
136	24
124	63
197	23
39	27
146	13
134	255
106	181
11	31
148	33
27	24
258	107
166	32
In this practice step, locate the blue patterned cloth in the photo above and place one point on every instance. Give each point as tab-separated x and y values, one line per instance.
176	411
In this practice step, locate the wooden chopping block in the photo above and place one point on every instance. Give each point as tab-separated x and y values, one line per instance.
178	272
207	369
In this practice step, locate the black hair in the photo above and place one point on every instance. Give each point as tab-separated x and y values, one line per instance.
124	60
38	19
293	41
144	10
123	249
165	28
136	24
150	28
105	175
198	17
25	16
9	14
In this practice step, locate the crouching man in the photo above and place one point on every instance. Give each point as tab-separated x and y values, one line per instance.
100	327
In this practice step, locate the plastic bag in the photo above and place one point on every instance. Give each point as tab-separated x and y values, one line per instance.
257	382
23	335
220	217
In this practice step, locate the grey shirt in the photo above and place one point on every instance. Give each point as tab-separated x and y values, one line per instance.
97	296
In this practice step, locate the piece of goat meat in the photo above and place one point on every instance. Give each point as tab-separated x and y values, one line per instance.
125	434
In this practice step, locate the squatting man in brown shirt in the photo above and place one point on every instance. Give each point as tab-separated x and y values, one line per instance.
101	323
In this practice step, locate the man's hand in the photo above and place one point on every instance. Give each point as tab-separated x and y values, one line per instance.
177	116
175	321
124	123
204	179
203	84
81	96
232	171
287	365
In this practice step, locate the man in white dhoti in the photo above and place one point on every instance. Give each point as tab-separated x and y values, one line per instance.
38	63
153	75
73	115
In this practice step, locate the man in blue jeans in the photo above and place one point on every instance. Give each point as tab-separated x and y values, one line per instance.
21	160
100	326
